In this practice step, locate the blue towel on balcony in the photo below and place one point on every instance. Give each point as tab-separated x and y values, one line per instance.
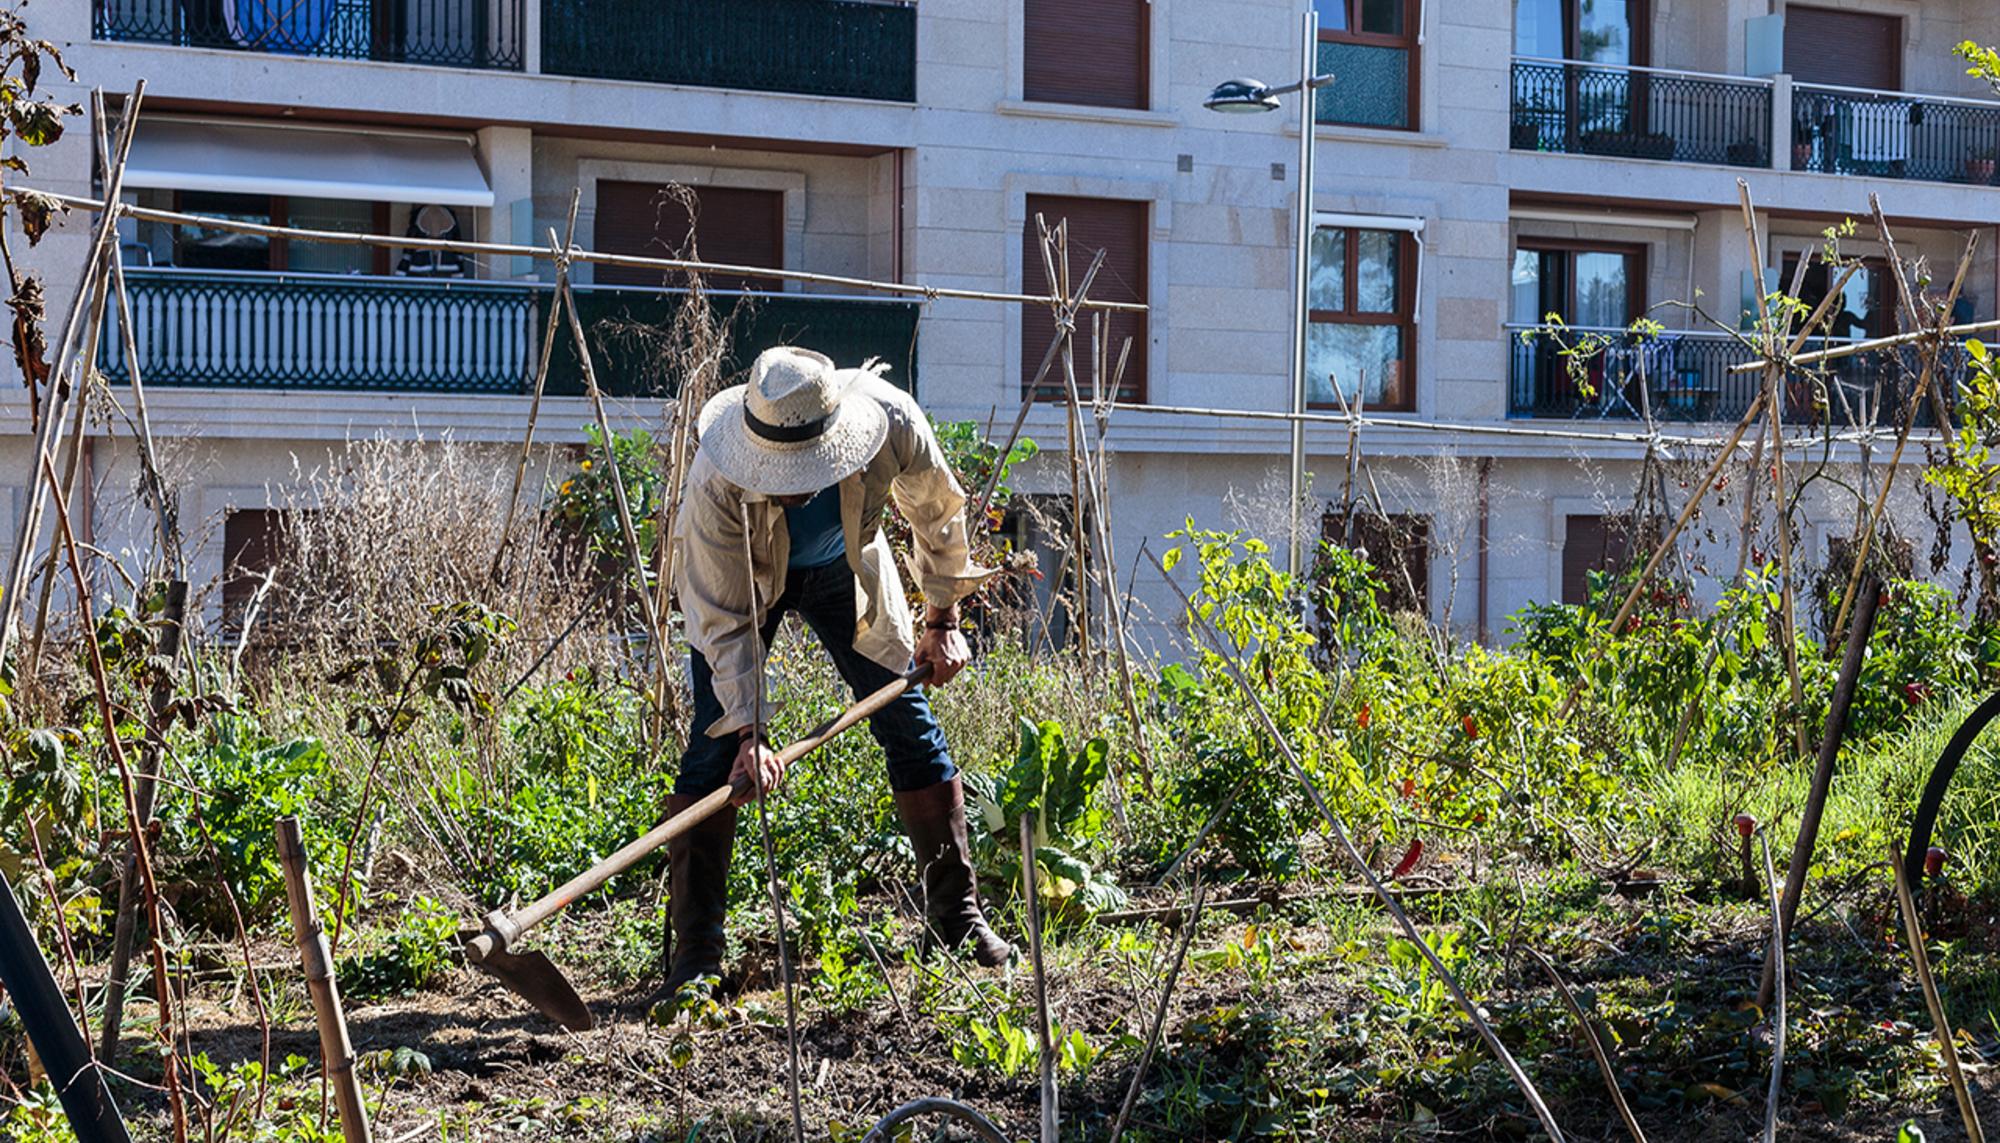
292	27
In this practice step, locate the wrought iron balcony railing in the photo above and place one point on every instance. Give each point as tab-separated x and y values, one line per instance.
866	49
447	33
1894	135
236	330
1641	113
1686	376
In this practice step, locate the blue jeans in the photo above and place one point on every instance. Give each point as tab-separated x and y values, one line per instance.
824	598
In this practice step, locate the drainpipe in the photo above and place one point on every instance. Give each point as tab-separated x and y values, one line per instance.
1485	520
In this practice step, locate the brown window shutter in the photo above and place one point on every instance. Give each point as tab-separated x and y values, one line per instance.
736	225
1844	48
253	543
1594	544
1119	227
1087	51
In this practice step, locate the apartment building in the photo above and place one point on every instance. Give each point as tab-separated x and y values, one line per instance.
1480	164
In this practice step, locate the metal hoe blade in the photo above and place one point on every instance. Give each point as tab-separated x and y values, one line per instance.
535	978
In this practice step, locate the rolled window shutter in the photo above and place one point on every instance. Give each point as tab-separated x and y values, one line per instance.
1092	52
738	226
1844	48
1119	227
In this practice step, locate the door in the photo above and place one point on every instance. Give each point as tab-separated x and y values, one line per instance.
1582	105
737	226
1588	288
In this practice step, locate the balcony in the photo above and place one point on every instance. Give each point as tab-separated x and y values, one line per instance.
446	33
1687	377
860	49
1894	135
1641	113
334	333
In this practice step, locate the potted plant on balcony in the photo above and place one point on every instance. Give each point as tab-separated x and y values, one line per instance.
1629	144
1979	168
1745	152
1525	134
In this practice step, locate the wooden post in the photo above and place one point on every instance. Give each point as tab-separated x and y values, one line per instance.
336	1051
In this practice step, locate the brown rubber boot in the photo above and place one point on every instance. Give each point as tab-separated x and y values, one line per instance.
934	817
697	893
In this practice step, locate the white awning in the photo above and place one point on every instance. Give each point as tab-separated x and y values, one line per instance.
1369	221
310	162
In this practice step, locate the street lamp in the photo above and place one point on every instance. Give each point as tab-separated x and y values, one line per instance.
1242	96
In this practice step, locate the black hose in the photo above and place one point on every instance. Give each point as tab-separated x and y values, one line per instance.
1940	782
933	1105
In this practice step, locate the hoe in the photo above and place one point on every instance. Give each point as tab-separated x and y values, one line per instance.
532	975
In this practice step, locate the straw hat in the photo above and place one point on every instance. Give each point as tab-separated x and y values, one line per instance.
800	425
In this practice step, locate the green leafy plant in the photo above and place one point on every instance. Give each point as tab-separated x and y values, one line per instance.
414	956
584	504
1056	786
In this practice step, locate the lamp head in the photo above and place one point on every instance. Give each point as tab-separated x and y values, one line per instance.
1241	96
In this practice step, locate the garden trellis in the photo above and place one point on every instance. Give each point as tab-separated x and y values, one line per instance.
1103	611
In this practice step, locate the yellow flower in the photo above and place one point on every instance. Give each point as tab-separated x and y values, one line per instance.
586	466
566	486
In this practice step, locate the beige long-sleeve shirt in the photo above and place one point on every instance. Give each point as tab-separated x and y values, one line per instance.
715	586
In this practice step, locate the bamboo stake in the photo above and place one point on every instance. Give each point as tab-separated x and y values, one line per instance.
336	1051
1160	1014
655	629
1774	371
1596	1046
1924	386
1852	348
1346	842
1940	1025
596	257
1775	965
1822	780
1687	512
166	511
1065	320
1051	1114
1456	428
141	849
166	515
50	431
764	832
1748	527
541	383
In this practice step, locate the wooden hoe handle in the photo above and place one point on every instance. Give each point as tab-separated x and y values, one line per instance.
502	928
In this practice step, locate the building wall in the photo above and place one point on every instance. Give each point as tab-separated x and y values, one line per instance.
936	193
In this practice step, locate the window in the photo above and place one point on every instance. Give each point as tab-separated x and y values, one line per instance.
1371	47
200	248
1866	307
1613	32
1361	301
1120	228
1595	287
1092	52
737	226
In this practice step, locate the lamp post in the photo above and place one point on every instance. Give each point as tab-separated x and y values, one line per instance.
1250	95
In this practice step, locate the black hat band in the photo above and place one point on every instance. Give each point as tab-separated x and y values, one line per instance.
785	434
